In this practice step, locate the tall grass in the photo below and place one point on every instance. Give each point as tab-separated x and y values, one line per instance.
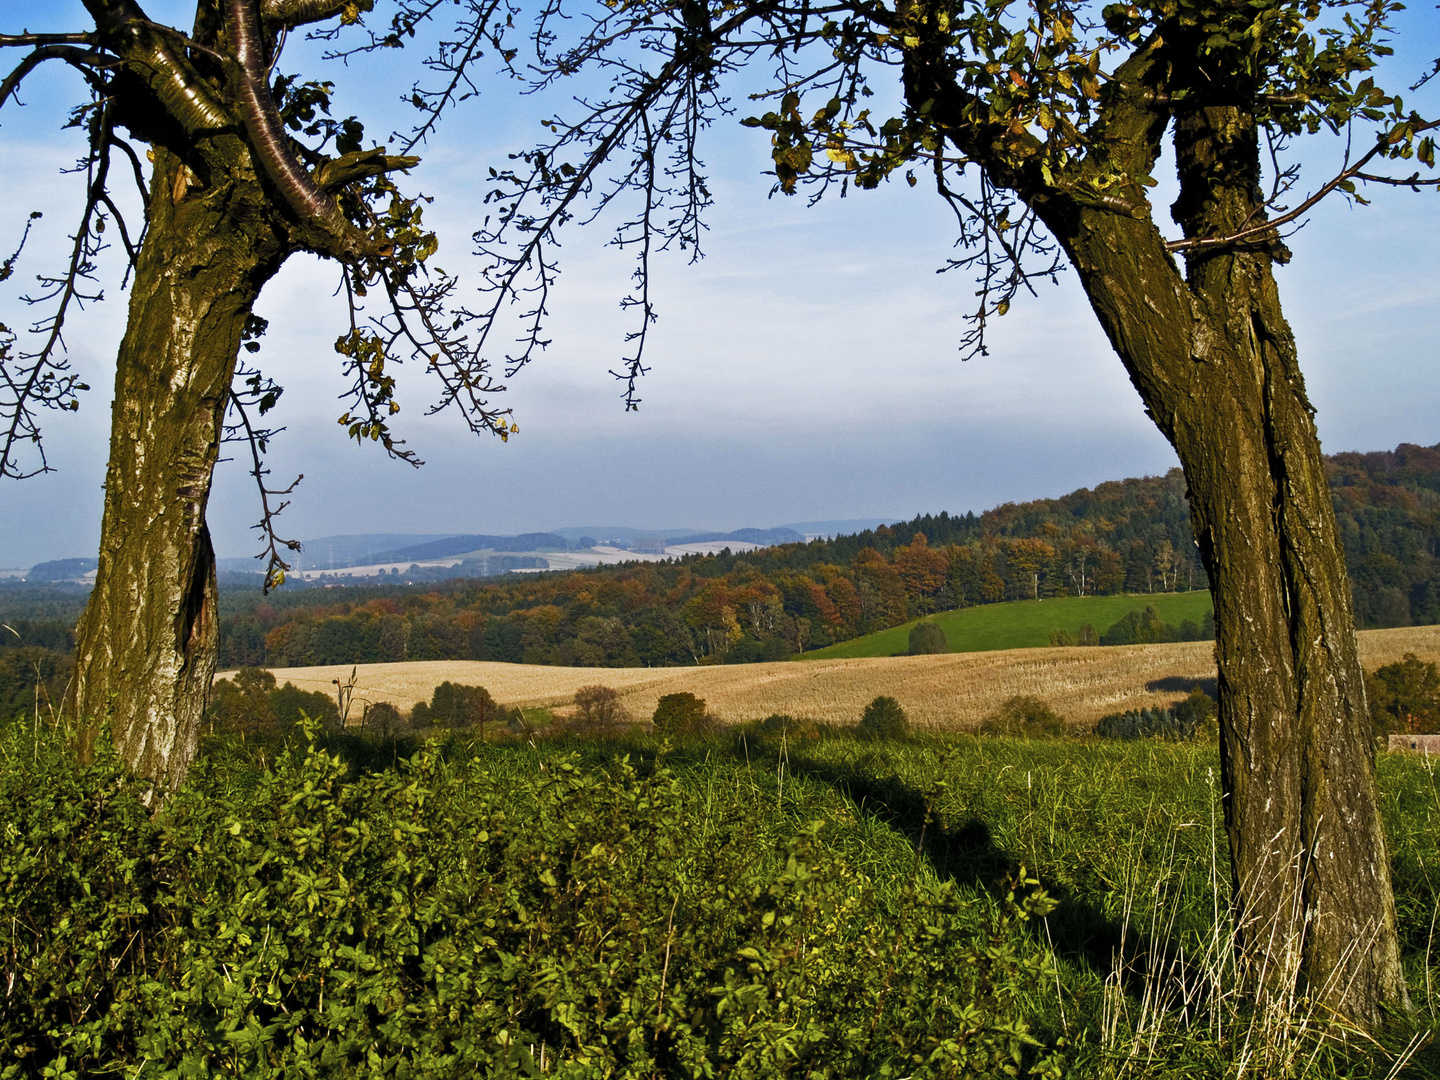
852	900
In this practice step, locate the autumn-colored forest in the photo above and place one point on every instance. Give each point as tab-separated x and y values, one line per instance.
1128	536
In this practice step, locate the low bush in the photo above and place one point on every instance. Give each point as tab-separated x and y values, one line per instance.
784	725
927	638
883	718
1024	716
680	714
1193	718
249	703
1148	628
487	917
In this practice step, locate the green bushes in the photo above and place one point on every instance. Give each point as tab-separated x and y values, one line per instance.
927	638
454	705
1192	718
680	714
1148	628
250	703
1404	697
883	718
1025	716
508	915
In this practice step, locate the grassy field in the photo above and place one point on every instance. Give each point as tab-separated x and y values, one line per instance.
850	904
1023	624
946	692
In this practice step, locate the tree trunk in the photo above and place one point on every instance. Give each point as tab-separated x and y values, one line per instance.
147	643
1215	363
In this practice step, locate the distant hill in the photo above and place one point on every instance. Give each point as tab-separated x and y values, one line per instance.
1121	537
61	570
463	545
763	537
333	552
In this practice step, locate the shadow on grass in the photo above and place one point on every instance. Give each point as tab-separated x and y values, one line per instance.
965	852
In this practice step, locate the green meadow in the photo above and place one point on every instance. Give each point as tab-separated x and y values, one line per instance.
1022	624
743	905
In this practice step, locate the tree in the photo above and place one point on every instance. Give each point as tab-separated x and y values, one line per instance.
455	705
246	171
927	637
679	714
1405	697
599	708
1042	127
883	718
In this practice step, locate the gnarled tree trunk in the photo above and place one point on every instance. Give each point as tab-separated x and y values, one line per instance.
146	645
1215	363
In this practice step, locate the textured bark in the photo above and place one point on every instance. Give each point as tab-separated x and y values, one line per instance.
146	645
1216	365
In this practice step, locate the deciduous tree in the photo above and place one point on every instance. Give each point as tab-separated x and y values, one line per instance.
1041	124
246	167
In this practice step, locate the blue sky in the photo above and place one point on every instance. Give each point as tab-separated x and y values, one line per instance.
806	369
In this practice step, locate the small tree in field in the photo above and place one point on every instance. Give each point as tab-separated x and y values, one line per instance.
1025	716
679	714
600	708
382	718
1405	697
927	638
455	705
883	718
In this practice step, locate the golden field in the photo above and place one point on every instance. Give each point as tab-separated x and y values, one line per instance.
948	691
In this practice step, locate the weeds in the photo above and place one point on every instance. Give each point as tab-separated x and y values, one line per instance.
778	902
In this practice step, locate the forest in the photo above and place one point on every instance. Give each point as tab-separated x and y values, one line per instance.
1128	536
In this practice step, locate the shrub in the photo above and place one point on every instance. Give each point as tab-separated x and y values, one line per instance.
451	918
599	708
383	718
1405	697
1191	718
679	714
1148	628
1025	716
927	638
291	705
883	718
455	705
783	724
1061	638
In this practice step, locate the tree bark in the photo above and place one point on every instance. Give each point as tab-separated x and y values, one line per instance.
1216	365
146	646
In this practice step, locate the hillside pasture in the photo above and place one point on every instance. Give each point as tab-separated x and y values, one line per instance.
1024	624
946	692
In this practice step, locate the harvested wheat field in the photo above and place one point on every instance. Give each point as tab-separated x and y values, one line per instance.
946	691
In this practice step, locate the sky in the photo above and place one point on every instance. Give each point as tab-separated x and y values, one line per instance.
807	368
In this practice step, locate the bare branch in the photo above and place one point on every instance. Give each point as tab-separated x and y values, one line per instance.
1345	177
23	40
83	59
261	391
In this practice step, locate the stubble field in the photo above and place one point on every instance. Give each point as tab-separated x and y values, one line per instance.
945	692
